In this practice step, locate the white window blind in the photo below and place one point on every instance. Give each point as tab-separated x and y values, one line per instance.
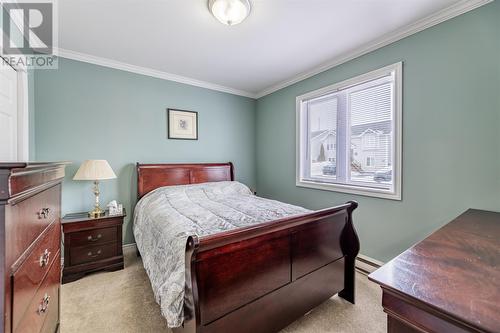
348	135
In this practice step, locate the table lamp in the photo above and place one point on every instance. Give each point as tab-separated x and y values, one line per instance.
95	170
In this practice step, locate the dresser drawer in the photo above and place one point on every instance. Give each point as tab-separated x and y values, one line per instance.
92	237
84	254
30	274
44	304
30	217
52	318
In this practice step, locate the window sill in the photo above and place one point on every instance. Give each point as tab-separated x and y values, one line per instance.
369	192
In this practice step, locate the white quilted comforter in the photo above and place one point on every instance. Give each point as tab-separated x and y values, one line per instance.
166	217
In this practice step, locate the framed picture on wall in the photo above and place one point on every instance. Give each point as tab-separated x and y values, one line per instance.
182	124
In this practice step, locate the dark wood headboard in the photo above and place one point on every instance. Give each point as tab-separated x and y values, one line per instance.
153	176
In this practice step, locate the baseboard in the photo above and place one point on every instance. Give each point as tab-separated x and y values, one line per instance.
364	264
129	249
367	265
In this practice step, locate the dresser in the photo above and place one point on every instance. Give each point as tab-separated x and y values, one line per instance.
449	282
30	246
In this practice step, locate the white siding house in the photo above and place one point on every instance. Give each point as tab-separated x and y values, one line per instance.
324	146
370	146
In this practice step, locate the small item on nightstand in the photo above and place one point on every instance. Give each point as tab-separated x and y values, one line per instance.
114	208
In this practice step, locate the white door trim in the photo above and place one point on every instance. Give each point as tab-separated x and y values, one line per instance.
23	135
23	124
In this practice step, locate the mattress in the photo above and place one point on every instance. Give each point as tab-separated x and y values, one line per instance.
167	216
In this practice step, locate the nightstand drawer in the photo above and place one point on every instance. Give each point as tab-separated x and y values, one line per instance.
93	237
85	254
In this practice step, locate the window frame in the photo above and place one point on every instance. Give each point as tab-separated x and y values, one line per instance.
396	192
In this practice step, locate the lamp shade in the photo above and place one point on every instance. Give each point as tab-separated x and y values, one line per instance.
94	170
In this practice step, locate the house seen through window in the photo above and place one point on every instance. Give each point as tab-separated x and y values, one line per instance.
349	135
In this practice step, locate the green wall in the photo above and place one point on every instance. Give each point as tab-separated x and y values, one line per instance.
86	111
451	131
451	126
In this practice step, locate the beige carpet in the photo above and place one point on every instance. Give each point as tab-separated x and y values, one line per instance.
123	302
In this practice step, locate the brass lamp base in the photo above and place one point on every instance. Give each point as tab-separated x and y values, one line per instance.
96	213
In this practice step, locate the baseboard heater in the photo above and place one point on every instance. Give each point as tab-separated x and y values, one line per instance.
367	265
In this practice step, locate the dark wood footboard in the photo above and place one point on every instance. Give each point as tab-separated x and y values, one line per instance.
262	278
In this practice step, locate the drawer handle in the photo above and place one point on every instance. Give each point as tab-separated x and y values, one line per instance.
92	239
44	213
44	258
92	255
44	305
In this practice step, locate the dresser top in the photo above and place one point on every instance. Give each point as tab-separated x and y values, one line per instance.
456	270
21	179
30	165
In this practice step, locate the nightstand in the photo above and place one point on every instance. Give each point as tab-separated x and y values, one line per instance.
91	244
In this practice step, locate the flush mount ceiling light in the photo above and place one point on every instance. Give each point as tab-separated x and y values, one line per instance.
229	12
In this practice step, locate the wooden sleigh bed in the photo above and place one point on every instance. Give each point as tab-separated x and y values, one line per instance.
259	279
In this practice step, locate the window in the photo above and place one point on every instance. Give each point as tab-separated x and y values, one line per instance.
349	135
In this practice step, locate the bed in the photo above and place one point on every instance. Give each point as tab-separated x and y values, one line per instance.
256	277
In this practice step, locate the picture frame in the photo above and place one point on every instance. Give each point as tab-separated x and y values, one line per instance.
182	124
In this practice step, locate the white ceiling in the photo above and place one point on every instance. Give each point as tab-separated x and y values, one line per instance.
280	40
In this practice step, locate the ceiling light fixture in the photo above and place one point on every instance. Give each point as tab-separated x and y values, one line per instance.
229	12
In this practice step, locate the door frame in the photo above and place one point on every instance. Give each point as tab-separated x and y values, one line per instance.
23	116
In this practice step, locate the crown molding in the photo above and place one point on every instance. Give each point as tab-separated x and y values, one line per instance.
448	13
455	10
68	54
